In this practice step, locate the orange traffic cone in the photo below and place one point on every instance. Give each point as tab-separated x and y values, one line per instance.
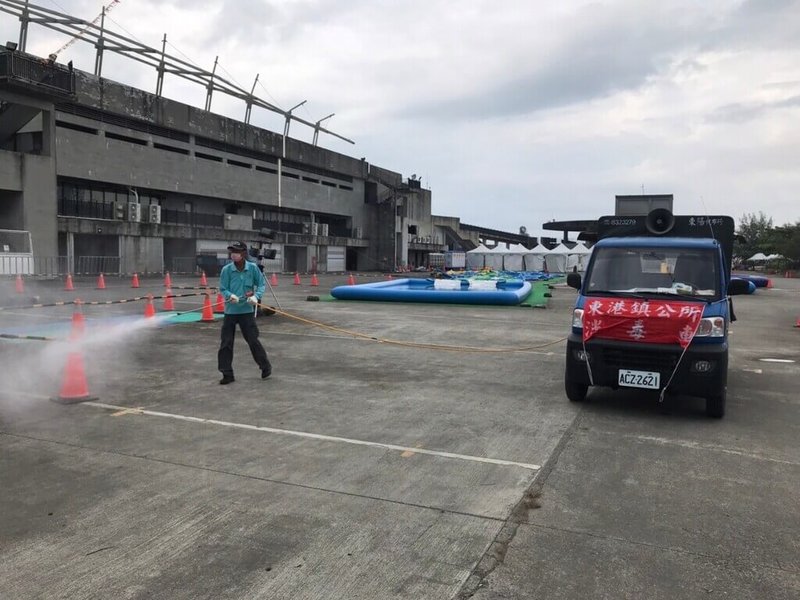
135	281
169	304
203	280
20	285
78	322
167	280
149	309
314	280
273	281
351	280
101	282
74	387
769	283
296	279
219	307
208	313
797	322
68	287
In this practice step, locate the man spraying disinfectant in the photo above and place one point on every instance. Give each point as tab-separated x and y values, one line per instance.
242	284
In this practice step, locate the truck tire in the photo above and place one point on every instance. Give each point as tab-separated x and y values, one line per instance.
715	405
576	392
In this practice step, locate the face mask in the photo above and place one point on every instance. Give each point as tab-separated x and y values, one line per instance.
236	257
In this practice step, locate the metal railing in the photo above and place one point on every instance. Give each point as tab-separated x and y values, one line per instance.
21	264
184	264
94	265
36	72
191	219
88	209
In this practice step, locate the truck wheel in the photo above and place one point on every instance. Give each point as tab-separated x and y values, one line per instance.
715	405
576	392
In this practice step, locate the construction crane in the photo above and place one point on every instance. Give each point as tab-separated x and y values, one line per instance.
103	12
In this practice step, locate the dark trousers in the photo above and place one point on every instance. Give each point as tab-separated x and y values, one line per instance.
247	323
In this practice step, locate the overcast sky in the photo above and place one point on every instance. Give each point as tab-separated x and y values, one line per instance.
515	112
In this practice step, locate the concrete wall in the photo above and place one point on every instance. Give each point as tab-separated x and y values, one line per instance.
99	158
141	254
39	203
10	171
108	95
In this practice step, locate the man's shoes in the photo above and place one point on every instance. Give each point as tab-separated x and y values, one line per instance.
265	373
226	379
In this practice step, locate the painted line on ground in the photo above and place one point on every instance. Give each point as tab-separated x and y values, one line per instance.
691	445
315	436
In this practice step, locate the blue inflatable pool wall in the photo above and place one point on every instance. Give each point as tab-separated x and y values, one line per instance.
445	291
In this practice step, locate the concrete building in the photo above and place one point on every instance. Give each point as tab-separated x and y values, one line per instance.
111	178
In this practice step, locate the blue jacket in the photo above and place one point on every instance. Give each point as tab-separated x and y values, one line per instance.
236	282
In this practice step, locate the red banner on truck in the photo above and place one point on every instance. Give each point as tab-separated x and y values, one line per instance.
646	321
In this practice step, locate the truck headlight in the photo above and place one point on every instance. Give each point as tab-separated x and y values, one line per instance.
577	318
711	327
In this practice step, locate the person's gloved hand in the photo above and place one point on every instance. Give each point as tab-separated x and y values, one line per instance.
252	300
234	299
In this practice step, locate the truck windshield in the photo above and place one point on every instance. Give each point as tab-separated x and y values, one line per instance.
686	272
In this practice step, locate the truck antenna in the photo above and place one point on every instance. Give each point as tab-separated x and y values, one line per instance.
708	219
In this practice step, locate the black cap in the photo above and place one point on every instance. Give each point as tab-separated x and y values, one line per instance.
238	247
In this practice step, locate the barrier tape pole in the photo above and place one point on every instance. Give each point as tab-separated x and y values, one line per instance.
99	302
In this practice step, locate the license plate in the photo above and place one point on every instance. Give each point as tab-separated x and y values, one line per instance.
648	380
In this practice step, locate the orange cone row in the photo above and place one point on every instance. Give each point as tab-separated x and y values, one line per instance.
149	308
169	303
74	387
208	312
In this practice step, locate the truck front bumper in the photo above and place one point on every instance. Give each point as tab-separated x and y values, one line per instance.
703	371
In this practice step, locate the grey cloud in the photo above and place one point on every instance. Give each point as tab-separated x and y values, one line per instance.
602	55
740	113
260	21
768	24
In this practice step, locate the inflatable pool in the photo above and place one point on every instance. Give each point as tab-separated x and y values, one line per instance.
751	286
446	291
757	280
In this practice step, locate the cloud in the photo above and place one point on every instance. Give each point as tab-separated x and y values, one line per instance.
740	112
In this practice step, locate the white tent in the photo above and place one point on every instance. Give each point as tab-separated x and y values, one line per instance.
759	256
475	257
515	258
493	257
583	253
534	258
775	256
557	259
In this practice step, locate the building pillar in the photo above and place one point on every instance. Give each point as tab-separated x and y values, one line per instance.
70	252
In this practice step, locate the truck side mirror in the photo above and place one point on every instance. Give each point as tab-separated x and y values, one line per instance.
574	280
738	286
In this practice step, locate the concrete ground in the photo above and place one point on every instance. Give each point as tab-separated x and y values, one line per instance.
366	469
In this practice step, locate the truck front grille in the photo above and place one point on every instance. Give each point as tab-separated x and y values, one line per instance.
642	360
